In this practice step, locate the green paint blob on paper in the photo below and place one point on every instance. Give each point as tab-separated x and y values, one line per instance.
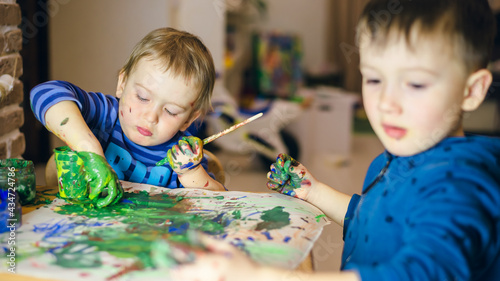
237	214
274	219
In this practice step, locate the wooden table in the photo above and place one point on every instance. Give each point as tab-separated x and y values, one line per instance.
305	266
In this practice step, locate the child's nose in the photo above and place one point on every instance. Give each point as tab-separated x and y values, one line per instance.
388	100
152	115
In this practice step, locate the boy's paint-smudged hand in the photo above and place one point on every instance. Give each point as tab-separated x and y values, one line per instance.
289	177
100	177
186	155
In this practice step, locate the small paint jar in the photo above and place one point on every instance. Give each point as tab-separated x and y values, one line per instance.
19	175
70	175
10	211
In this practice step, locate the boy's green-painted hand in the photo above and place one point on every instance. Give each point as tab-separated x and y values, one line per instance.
186	155
100	177
290	177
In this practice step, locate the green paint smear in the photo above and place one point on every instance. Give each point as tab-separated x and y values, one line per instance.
65	121
151	226
147	218
274	219
42	197
237	214
265	252
318	217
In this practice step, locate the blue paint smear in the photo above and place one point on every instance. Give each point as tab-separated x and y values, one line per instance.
267	234
256	213
288	238
179	230
63	228
189	165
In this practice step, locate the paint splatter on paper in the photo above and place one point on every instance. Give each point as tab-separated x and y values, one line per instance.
119	242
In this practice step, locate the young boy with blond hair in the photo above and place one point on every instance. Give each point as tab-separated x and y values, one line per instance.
165	85
430	204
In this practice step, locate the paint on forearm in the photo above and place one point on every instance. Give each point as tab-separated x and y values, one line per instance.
65	121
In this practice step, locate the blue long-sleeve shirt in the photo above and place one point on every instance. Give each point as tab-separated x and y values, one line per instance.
130	161
431	216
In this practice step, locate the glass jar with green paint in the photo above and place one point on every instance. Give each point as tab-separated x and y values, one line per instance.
19	175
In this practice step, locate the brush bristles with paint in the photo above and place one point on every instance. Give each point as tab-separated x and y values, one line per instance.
218	135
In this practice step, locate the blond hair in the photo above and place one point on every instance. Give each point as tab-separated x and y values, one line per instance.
183	54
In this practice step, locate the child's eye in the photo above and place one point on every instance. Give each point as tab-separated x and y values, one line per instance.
372	81
141	98
416	86
170	113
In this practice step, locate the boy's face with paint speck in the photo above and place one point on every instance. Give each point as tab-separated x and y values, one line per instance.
154	105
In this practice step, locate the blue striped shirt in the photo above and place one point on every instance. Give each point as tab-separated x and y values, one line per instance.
131	162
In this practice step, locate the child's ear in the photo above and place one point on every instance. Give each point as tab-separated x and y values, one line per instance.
191	119
121	85
476	89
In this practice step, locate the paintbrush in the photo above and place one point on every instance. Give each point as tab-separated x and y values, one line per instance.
230	129
220	134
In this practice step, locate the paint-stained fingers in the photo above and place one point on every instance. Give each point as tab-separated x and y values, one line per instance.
270	176
173	152
195	143
281	159
171	156
96	187
289	192
277	170
185	148
276	178
274	186
286	161
113	194
119	189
